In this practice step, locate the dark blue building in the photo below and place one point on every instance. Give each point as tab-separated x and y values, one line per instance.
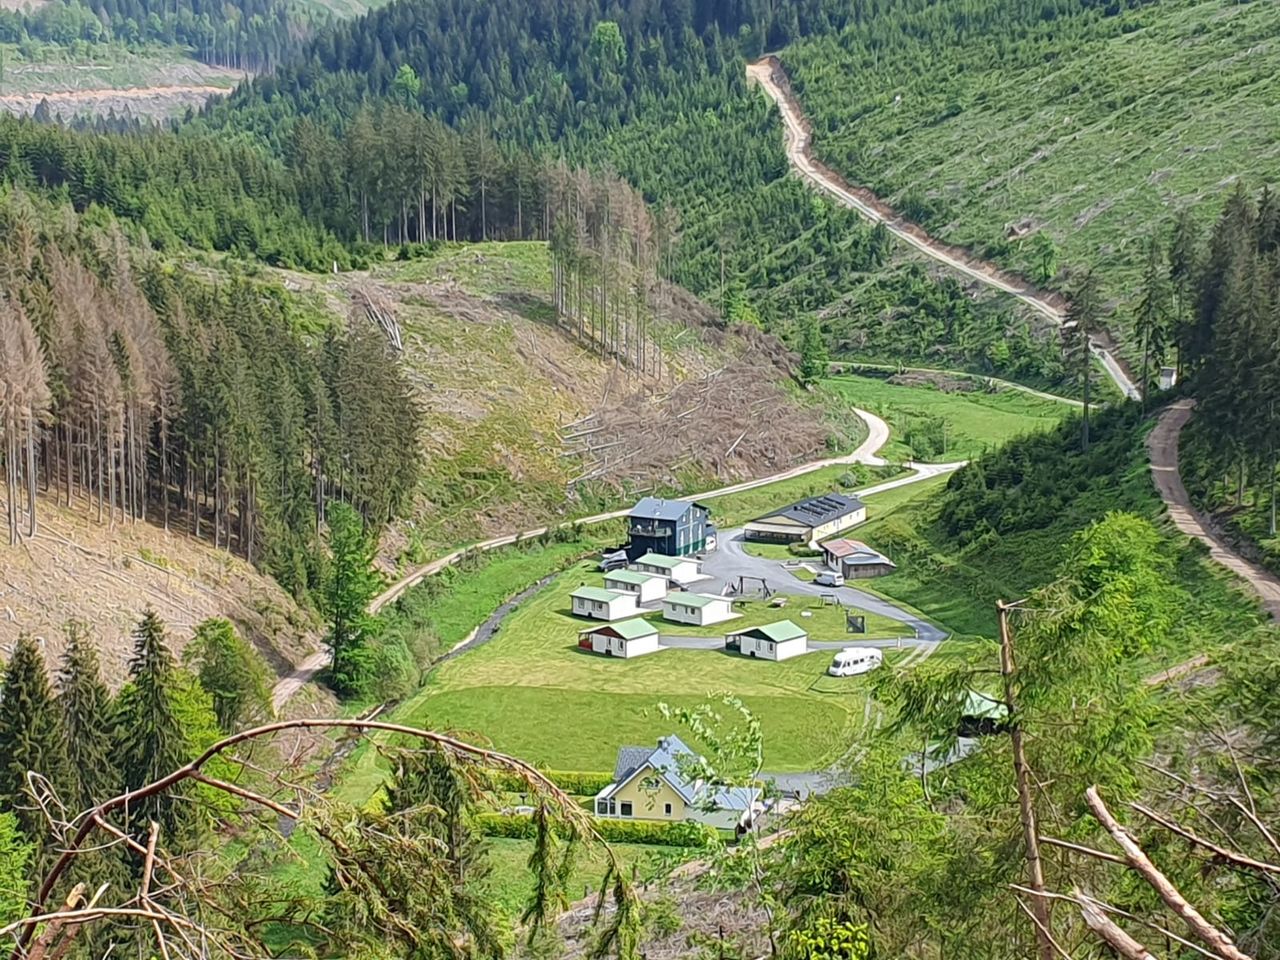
673	528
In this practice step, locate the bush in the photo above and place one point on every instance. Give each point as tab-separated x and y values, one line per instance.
679	834
575	782
802	550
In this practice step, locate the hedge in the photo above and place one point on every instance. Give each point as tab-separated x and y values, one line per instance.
679	834
577	783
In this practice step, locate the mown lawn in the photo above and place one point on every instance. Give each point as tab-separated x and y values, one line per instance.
926	423
534	693
822	621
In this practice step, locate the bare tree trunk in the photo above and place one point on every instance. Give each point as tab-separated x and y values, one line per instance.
31	473
1026	811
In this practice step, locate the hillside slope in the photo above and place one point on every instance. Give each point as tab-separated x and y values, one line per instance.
525	425
77	568
990	121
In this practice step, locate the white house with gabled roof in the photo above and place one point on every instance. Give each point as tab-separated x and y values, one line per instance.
697	609
677	569
600	604
648	587
625	639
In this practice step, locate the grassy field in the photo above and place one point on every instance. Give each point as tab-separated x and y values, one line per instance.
534	669
928	423
1094	126
821	621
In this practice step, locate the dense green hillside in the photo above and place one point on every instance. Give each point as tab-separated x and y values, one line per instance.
658	94
992	120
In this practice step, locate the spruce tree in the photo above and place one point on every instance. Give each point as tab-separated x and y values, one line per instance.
86	712
32	737
150	739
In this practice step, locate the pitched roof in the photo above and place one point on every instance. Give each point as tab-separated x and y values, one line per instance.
655	508
779	632
630	576
598	593
667	761
632	629
693	599
662	560
855	552
983	707
815	511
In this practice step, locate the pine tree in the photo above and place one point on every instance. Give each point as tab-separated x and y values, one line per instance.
350	584
1152	317
1081	324
150	739
231	672
32	737
86	709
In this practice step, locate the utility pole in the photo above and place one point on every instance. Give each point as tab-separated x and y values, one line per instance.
1022	775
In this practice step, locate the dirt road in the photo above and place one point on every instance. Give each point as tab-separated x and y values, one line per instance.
1162	450
773	79
867	452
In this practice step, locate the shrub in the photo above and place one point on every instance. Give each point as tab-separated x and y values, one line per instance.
575	782
802	550
654	833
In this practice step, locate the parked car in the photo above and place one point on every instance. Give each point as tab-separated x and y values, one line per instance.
829	578
616	560
852	661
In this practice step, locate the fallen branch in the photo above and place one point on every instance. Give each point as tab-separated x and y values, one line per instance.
1208	934
1110	932
1238	859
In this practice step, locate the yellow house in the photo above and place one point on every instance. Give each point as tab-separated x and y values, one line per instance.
664	784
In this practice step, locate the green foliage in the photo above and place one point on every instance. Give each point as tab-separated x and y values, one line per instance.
85	705
829	939
350	583
231	672
685	833
32	739
16	854
150	739
576	783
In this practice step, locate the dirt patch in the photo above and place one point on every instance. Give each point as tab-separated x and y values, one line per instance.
707	918
133	102
76	567
939	381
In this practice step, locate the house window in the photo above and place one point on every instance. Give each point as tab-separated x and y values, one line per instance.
602	808
666	808
626	808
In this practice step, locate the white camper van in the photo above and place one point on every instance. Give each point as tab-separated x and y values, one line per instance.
852	661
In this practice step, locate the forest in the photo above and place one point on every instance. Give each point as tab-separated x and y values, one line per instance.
130	394
657	96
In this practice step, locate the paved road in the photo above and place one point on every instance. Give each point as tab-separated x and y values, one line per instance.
769	74
731	561
1162	450
867	452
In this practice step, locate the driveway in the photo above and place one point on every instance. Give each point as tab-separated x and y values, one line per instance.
731	561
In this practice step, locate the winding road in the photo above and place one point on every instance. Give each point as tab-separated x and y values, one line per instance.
1162	451
773	80
867	452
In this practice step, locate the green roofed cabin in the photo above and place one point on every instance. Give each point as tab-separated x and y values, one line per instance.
780	640
682	570
698	609
648	587
600	604
629	638
981	716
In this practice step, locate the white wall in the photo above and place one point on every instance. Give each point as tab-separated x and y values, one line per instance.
621	607
653	589
773	651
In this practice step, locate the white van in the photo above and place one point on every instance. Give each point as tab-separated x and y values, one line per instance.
829	579
852	661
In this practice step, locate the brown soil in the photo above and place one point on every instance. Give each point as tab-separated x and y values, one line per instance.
77	568
158	101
